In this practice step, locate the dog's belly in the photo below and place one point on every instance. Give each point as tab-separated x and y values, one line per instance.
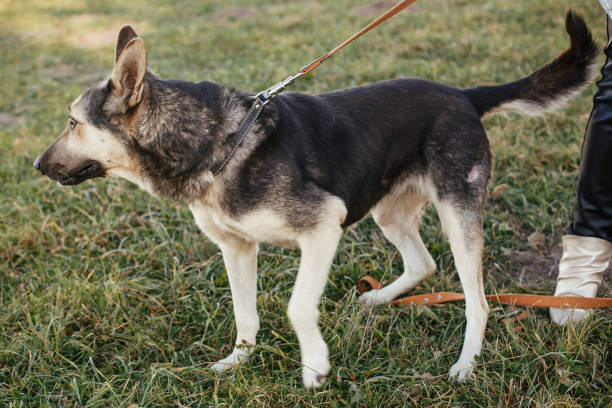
262	225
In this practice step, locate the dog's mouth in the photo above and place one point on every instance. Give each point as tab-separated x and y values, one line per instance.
86	171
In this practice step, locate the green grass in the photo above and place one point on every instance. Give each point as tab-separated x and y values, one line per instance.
109	297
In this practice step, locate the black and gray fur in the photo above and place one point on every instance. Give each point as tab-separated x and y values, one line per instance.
382	147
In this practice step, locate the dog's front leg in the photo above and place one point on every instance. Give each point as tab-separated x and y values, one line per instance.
318	251
241	263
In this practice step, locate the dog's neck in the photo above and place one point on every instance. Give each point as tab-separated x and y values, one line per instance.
184	130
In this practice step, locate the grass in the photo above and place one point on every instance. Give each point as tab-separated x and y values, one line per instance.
109	297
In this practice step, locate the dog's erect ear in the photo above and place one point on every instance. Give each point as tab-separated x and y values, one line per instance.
126	35
128	75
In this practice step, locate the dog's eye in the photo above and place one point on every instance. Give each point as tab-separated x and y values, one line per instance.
72	123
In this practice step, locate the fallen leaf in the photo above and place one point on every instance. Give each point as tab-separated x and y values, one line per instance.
499	189
427	377
536	239
521	316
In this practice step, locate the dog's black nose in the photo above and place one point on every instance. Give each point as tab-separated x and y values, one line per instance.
37	163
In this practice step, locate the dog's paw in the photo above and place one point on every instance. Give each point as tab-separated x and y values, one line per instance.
373	297
314	379
461	370
238	356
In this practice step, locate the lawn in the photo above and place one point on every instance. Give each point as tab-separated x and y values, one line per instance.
112	298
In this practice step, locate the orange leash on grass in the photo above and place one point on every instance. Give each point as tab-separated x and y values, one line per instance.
514	299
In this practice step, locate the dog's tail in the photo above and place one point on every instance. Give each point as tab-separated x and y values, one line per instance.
551	85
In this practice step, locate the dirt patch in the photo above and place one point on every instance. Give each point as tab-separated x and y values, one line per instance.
90	37
538	270
531	269
235	13
85	31
96	38
378	8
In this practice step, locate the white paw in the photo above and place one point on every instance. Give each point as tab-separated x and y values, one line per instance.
239	355
461	370
315	378
372	298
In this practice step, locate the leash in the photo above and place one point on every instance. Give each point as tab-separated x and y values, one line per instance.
263	97
514	299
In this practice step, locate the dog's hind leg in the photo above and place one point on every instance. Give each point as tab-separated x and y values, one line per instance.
241	263
398	216
464	230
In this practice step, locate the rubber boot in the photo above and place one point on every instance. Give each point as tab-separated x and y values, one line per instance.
580	273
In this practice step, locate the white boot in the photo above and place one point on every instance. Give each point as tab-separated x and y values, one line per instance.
580	273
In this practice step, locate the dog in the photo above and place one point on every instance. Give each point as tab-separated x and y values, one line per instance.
309	167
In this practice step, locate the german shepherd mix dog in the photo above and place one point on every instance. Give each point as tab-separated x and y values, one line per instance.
310	166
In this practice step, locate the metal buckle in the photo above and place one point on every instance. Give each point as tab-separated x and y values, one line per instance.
280	86
261	100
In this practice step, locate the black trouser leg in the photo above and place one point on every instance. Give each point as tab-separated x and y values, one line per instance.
593	208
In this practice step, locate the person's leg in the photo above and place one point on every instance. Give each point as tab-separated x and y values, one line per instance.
588	247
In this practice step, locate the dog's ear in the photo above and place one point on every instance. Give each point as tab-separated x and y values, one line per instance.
126	35
128	74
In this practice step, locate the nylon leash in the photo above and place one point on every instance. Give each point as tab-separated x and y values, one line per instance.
263	97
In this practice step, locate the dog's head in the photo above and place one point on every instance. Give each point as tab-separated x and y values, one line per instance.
101	121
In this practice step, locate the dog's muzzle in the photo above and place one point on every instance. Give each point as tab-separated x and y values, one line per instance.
69	177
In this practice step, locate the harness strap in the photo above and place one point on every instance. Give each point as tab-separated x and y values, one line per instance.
262	98
515	299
